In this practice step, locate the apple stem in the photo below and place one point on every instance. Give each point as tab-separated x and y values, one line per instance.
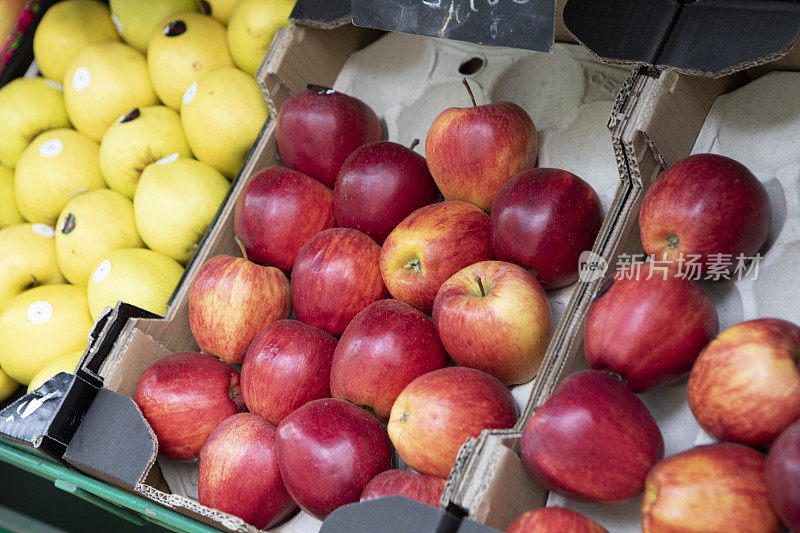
469	90
480	285
414	144
35	282
240	244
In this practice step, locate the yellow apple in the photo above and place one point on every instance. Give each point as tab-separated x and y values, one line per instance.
56	165
9	213
65	363
102	83
138	138
136	276
7	386
187	47
251	28
219	9
175	202
91	225
28	106
27	259
39	326
136	20
65	30
222	115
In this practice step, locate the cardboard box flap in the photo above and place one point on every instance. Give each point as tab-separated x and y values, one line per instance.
46	419
114	443
394	514
707	37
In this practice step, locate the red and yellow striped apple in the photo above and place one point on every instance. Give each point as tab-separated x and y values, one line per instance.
286	365
718	487
745	386
232	299
425	489
436	413
336	275
472	152
239	472
552	520
429	246
494	316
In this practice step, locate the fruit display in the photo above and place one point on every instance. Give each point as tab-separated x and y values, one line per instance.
99	185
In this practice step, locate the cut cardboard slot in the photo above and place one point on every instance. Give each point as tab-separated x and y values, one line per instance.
575	116
659	120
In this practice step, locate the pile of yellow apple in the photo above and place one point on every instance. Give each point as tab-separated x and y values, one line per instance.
115	160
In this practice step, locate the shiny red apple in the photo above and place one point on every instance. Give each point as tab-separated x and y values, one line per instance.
437	412
649	331
703	206
239	472
286	365
543	219
495	317
429	246
386	346
782	471
379	185
425	489
554	520
328	450
184	397
319	128
745	386
230	300
472	152
278	211
592	440
336	275
719	487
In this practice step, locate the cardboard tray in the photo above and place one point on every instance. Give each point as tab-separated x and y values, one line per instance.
114	443
661	118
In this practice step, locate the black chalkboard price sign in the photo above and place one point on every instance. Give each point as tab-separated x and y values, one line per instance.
527	24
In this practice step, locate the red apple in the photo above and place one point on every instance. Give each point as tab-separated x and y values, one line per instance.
782	473
704	205
554	520
719	487
494	316
336	275
592	440
287	364
543	219
649	331
745	386
379	185
437	412
232	299
328	450
387	346
239	472
278	211
183	397
425	489
472	152
319	128
429	246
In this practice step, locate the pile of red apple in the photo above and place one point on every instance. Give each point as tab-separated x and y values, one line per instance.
594	440
413	315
